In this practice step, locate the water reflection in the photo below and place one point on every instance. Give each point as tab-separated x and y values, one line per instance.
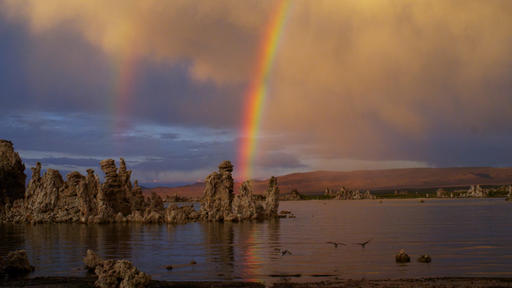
219	244
465	238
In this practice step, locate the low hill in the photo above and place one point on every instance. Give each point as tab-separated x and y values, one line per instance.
317	181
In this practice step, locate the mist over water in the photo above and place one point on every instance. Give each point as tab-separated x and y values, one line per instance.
469	237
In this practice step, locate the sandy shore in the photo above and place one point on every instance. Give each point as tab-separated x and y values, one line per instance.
75	282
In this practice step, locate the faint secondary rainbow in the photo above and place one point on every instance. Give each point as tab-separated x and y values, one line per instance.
123	90
258	88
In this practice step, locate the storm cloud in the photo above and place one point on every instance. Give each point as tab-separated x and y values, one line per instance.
355	84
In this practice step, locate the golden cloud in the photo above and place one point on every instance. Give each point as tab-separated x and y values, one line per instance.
348	74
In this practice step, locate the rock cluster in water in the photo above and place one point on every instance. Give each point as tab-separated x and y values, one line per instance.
220	204
476	191
49	198
402	257
294	195
115	273
346	194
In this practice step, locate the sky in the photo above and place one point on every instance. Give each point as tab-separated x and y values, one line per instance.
363	84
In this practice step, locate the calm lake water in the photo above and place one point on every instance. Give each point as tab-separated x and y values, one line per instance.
464	237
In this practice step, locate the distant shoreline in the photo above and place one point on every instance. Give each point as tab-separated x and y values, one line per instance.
440	282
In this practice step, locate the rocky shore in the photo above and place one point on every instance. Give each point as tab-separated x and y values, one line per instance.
123	274
49	198
459	282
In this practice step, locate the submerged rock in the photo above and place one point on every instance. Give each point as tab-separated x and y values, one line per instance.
402	257
115	273
12	174
120	273
424	259
16	263
92	260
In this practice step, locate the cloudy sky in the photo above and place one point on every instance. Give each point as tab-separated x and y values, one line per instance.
363	84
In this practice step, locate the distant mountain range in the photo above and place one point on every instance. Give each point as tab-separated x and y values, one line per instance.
317	181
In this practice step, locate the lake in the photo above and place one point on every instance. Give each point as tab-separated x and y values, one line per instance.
465	237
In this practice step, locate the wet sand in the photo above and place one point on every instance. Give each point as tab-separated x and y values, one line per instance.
76	282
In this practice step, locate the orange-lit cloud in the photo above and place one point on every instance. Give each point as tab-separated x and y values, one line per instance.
352	79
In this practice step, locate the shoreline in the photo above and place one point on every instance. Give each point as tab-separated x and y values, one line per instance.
88	281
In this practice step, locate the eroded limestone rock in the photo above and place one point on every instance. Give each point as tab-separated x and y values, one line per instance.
115	273
92	260
272	198
51	199
425	258
402	257
12	174
42	194
180	215
79	198
244	205
218	194
114	188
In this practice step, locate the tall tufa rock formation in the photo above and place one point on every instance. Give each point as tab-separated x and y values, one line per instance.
244	205
12	174
49	198
272	198
114	187
218	194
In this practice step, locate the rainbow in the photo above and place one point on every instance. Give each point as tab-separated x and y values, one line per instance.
258	88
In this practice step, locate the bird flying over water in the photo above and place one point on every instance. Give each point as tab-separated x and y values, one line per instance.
285	252
336	243
363	244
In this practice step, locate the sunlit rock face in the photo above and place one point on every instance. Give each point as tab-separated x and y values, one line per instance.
48	198
12	174
180	215
114	273
218	194
114	187
51	199
83	199
272	198
137	198
245	206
